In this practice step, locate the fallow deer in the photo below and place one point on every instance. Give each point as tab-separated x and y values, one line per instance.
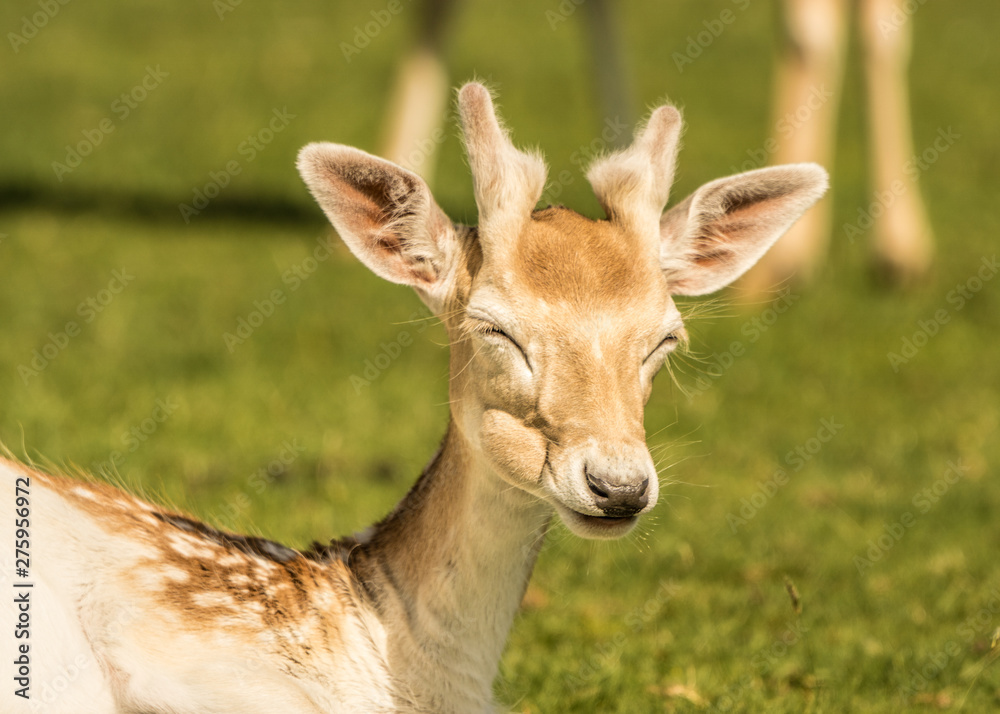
557	323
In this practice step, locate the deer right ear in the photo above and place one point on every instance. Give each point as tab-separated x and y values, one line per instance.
715	235
385	214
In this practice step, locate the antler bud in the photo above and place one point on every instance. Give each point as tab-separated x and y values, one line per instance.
633	185
507	181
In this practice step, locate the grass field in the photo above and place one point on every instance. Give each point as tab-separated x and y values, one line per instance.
813	459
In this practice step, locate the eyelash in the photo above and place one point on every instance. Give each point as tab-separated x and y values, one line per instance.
672	338
488	328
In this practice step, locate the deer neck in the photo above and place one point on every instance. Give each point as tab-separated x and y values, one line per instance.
447	571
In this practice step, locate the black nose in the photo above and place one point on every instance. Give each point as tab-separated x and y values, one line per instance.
617	499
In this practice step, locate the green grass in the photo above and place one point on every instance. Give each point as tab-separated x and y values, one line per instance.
613	627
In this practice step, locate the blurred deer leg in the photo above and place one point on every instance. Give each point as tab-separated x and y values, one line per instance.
903	237
419	101
807	96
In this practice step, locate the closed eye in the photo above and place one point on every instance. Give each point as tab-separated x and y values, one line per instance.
488	329
482	327
492	332
667	344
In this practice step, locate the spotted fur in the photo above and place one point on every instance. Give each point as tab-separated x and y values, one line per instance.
558	324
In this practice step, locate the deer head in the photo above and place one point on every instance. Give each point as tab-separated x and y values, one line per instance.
558	323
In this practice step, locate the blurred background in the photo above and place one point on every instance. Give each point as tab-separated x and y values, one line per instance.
170	312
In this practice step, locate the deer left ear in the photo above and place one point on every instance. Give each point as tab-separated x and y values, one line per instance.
385	214
717	233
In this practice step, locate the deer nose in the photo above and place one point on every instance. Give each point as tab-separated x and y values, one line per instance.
618	499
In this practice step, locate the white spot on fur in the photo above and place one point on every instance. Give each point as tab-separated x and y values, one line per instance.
191	547
157	577
239	579
213	598
230	560
253	606
175	575
266	565
150	579
85	493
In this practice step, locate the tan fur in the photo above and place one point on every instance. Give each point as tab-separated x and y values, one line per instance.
633	185
507	181
558	324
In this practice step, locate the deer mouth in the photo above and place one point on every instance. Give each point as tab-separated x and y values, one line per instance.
600	527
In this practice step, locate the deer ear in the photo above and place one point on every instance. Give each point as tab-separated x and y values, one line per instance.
384	213
717	233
